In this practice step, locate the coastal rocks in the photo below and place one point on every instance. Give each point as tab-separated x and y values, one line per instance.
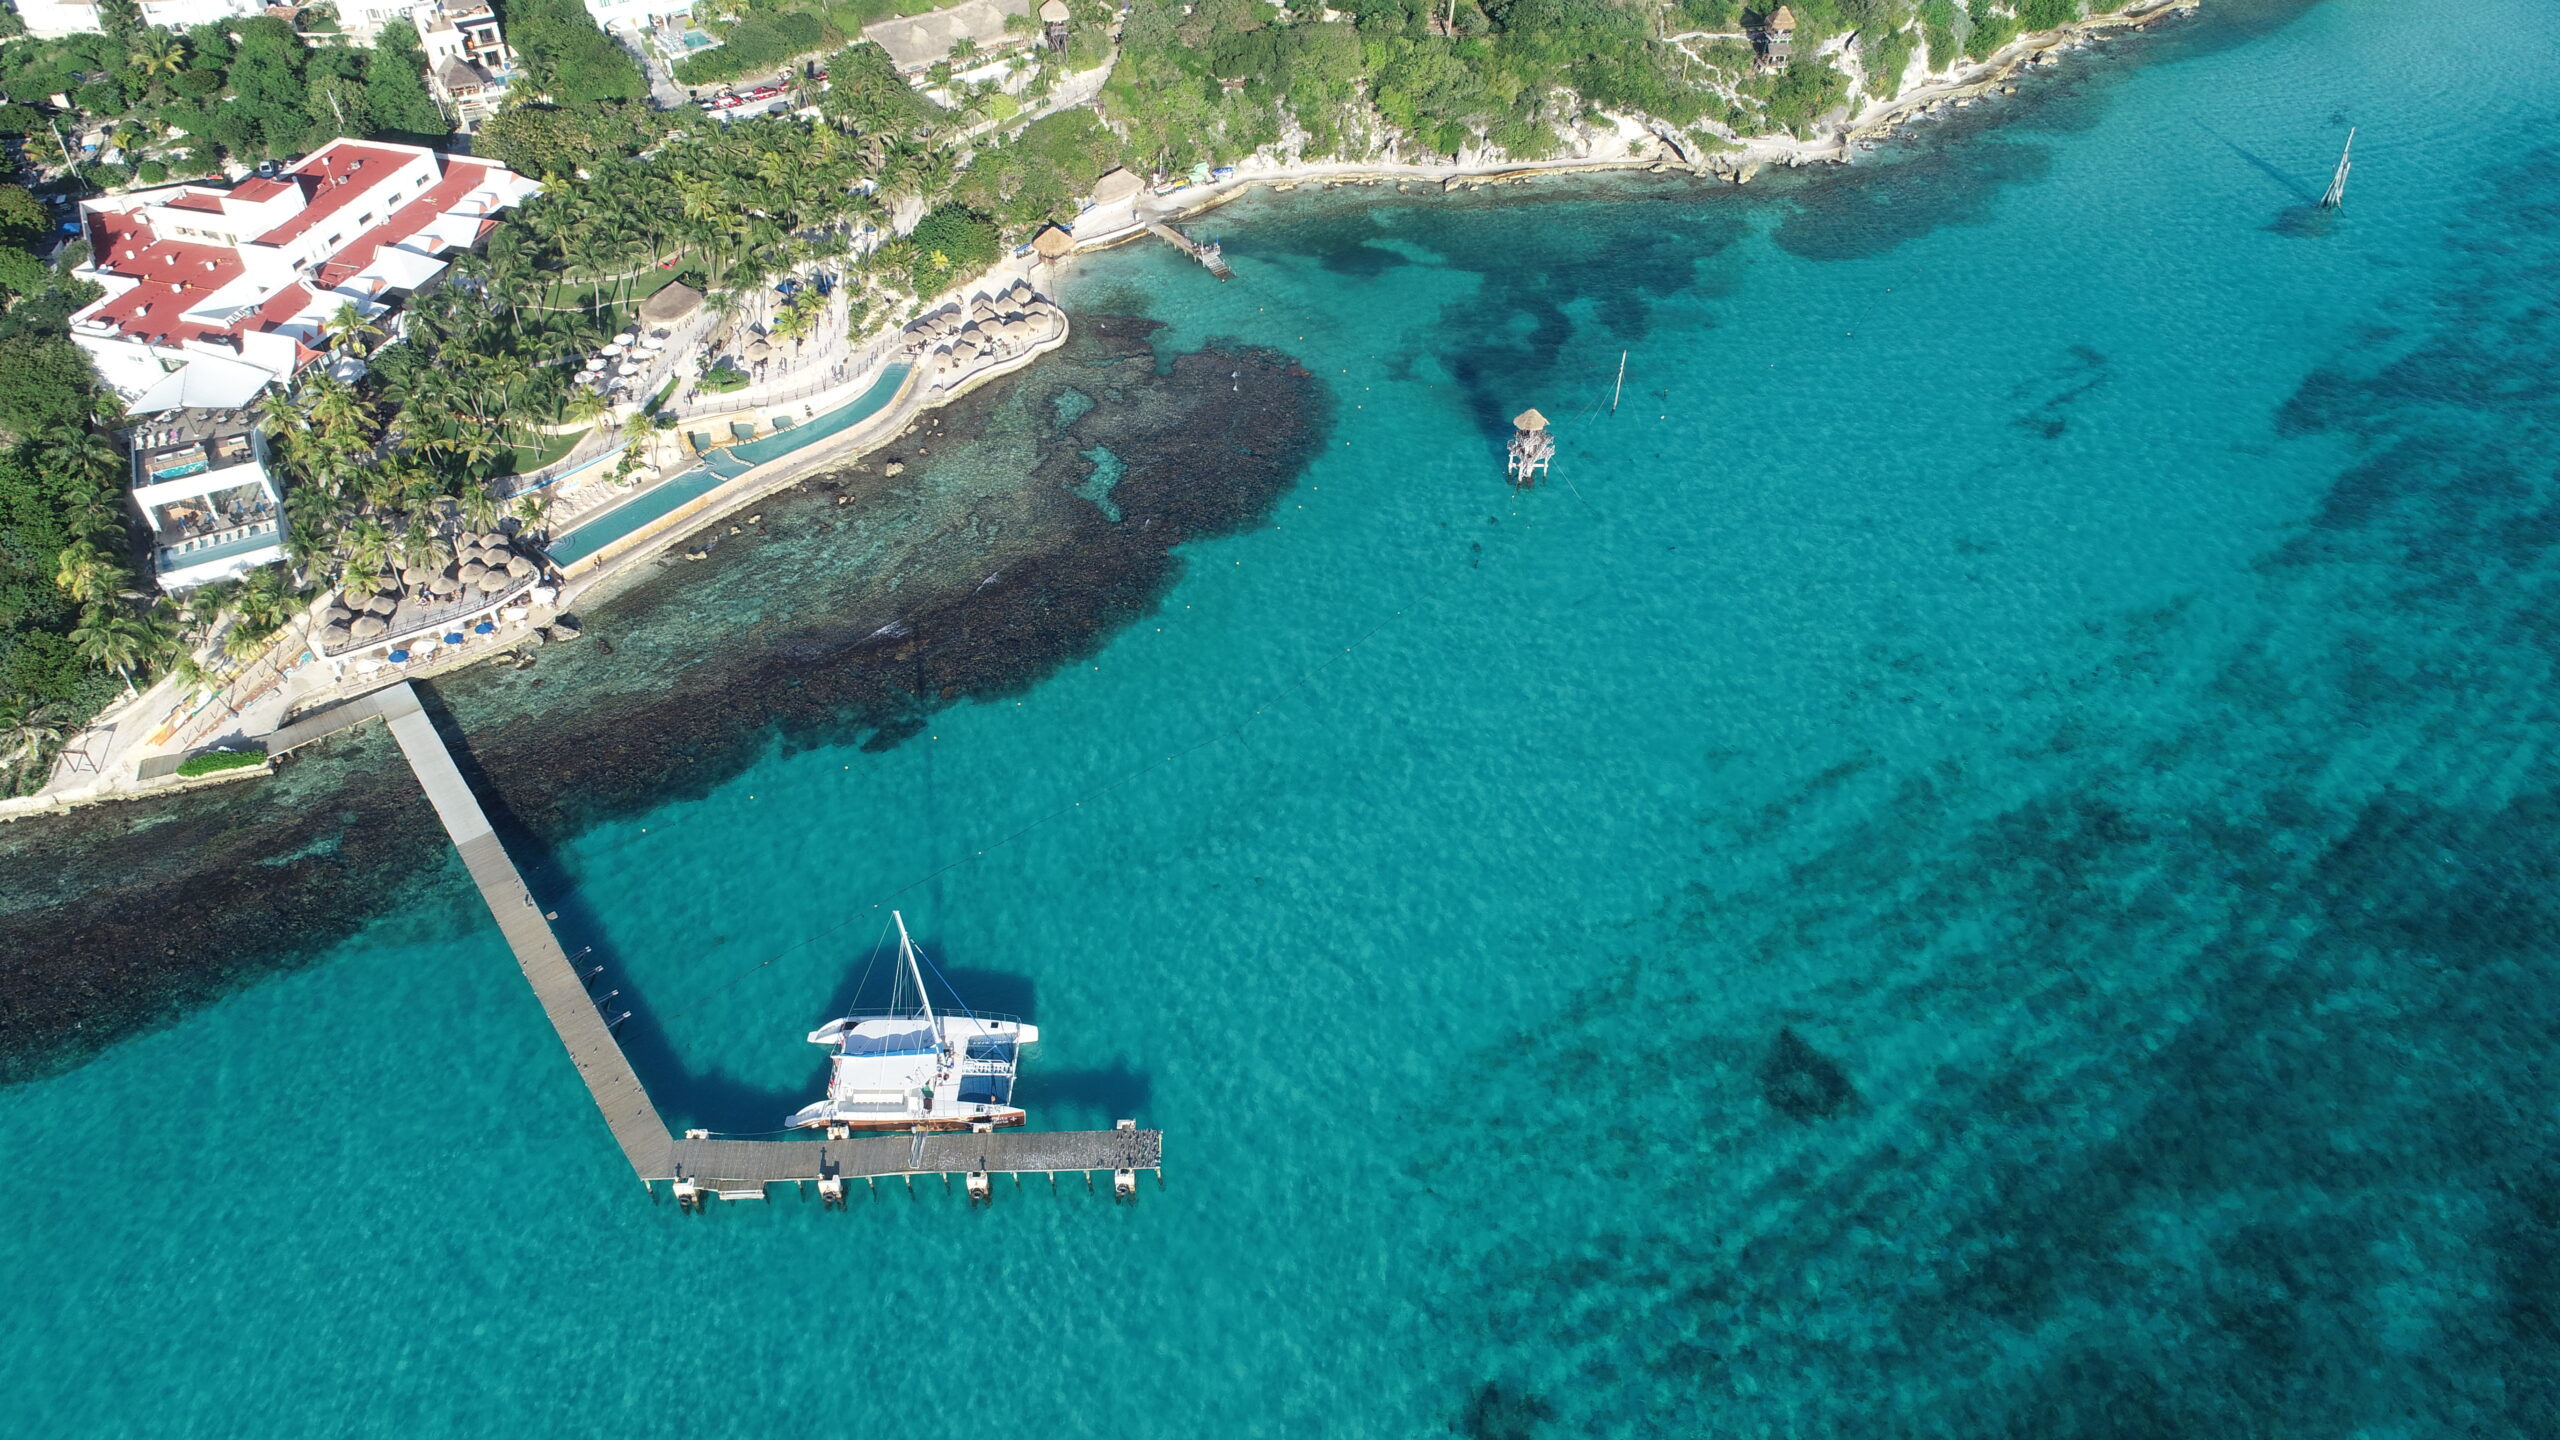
1744	175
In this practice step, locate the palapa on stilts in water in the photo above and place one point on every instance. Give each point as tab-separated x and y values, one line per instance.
1532	448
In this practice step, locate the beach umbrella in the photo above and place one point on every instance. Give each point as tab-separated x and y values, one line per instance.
453	637
381	605
616	348
484	628
334	635
521	568
625	338
366	627
472	572
653	343
398	657
495	581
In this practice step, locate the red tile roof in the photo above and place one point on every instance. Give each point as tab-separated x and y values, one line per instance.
461	177
262	187
340	175
194	200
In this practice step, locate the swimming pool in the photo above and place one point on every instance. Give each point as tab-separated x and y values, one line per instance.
718	467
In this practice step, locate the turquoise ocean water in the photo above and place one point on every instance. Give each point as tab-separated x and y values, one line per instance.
1981	863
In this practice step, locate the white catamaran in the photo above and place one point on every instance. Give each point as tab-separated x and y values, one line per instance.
909	1068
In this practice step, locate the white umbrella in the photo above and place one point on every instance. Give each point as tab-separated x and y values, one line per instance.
625	338
653	343
632	367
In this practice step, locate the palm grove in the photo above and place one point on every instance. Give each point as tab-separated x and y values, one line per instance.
381	473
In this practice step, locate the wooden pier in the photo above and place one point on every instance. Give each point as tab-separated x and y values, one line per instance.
699	1164
581	1026
1206	254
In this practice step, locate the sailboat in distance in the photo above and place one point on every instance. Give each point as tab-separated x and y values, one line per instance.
2337	192
909	1067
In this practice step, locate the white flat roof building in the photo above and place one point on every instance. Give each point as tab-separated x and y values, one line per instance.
200	480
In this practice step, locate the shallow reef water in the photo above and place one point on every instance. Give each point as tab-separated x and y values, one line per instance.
1979	862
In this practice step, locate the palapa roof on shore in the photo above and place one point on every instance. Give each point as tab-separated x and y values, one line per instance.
671	304
1115	185
1053	243
1529	419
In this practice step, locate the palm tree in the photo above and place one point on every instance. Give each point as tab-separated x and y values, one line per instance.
158	55
111	641
532	511
585	407
348	331
479	506
26	727
421	548
86	574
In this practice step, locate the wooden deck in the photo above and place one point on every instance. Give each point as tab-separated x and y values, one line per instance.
1193	248
736	1164
344	716
581	1027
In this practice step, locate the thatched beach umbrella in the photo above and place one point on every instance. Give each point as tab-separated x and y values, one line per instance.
495	581
334	635
521	568
367	626
381	605
472	571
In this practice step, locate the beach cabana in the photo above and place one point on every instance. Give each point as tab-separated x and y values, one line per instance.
676	302
1053	244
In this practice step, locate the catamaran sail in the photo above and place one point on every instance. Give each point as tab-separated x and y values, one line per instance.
2337	194
908	1067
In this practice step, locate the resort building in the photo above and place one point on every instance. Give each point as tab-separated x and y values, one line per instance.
52	19
213	294
200	480
915	42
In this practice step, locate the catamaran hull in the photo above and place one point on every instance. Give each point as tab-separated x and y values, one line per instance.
906	1126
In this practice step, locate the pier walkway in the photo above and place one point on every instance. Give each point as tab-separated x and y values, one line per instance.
728	1164
581	1026
733	1169
1206	254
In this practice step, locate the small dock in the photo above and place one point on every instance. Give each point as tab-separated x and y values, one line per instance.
1206	254
701	1165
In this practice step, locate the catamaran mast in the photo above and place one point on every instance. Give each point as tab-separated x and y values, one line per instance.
2337	195
907	952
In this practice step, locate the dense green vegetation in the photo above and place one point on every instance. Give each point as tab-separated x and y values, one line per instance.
1211	81
566	59
214	762
757	44
248	90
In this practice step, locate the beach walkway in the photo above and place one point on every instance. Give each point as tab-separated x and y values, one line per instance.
733	1169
